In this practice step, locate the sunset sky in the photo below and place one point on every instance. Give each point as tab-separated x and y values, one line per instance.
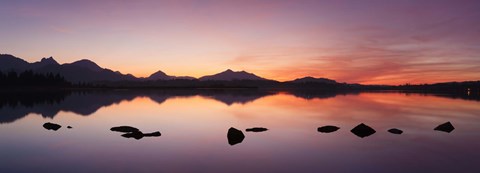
361	41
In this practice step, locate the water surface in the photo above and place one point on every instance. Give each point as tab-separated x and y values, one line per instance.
194	127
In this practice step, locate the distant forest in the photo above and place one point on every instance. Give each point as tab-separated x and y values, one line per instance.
30	79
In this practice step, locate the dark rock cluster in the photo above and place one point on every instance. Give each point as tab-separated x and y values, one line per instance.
363	130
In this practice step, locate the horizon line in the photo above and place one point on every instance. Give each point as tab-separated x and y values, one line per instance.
228	68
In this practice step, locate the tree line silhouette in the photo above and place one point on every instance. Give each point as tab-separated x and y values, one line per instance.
31	79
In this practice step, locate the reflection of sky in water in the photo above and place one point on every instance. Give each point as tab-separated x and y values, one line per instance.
194	136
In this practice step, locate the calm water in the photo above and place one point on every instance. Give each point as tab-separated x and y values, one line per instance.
194	128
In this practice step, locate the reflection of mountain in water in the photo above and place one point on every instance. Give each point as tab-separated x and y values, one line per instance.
16	105
241	96
318	94
228	97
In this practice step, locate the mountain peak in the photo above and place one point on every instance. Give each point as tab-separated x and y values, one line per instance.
229	75
85	63
48	60
310	79
160	75
7	56
159	72
10	62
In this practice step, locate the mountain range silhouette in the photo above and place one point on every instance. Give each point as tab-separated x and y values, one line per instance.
88	71
79	71
85	73
160	75
229	75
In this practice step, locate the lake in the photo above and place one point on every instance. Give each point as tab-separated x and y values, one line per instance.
194	125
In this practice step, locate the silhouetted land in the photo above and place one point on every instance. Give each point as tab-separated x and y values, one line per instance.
85	74
30	79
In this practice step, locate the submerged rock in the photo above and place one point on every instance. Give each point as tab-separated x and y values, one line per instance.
328	129
256	129
395	131
124	129
235	136
363	130
445	127
51	126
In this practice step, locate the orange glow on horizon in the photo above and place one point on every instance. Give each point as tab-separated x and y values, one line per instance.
292	76
279	40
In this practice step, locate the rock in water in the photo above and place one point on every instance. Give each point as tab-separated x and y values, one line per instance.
124	129
445	127
235	136
395	131
328	129
69	127
363	130
154	134
139	135
135	135
132	132
256	129
51	126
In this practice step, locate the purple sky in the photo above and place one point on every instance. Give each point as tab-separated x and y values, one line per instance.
365	41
